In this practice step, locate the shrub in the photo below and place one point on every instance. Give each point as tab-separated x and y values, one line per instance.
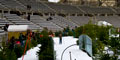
11	55
70	33
98	34
7	54
18	51
77	42
58	32
46	49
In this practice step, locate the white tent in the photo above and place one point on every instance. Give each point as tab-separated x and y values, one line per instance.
13	28
104	23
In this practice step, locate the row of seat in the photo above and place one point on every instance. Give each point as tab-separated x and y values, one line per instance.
81	20
17	20
45	7
45	24
56	23
97	10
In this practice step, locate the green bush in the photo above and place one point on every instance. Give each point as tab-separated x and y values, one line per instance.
46	55
2	56
104	57
34	43
8	55
70	33
46	49
98	34
11	55
77	42
18	51
58	32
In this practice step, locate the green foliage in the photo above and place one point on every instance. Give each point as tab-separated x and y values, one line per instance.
7	54
44	33
114	42
57	33
2	56
16	52
103	34
100	39
11	55
34	43
46	49
88	29
20	49
98	47
98	34
46	55
77	42
104	57
65	32
78	31
70	33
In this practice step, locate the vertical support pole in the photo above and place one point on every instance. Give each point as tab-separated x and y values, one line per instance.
2	14
26	13
8	11
70	56
32	13
49	14
55	14
27	41
43	14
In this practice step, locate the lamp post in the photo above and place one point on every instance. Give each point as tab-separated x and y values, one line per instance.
70	55
66	49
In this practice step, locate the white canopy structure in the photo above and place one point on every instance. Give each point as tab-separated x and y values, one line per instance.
104	23
13	28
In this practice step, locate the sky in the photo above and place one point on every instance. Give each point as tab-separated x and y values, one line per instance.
53	0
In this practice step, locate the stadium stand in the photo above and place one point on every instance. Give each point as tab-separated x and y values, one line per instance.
96	10
44	23
2	7
36	6
3	22
12	5
62	22
19	21
80	20
117	10
64	8
114	20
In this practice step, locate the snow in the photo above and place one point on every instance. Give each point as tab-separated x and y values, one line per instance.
108	51
31	54
114	35
76	53
17	28
106	48
118	56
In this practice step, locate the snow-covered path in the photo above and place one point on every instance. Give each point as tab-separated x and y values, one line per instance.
67	41
75	52
31	54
